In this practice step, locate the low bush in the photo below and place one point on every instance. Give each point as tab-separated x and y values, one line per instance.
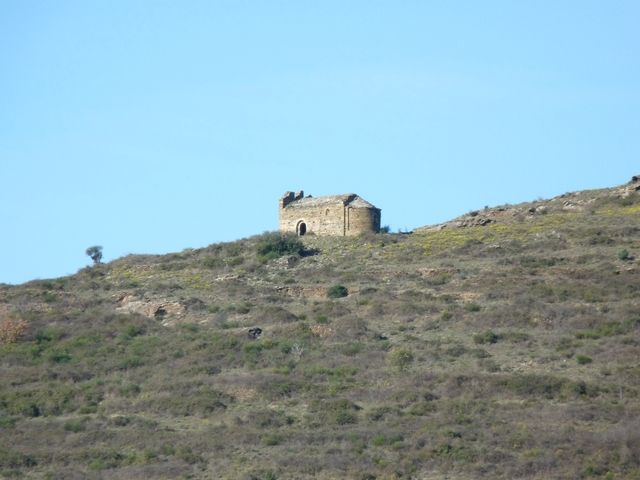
440	279
13	459
486	337
609	329
400	358
272	439
75	426
275	245
197	401
339	412
351	349
533	385
472	307
337	291
583	359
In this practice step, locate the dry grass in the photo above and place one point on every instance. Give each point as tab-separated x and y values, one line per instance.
12	329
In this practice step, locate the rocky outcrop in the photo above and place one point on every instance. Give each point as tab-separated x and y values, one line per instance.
158	309
306	292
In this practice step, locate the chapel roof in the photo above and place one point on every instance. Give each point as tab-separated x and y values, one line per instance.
346	199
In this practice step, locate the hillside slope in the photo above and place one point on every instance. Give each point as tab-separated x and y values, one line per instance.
503	344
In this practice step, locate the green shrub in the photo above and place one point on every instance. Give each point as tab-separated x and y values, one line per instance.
262	475
440	279
446	315
213	262
533	385
400	358
191	401
337	291
235	261
272	439
472	307
421	409
132	331
104	459
486	337
456	350
345	417
14	459
49	297
609	329
75	425
381	440
378	413
275	245
130	390
340	411
187	455
59	356
7	422
624	254
583	359
533	262
351	349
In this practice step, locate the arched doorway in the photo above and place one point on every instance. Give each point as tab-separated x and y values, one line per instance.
301	229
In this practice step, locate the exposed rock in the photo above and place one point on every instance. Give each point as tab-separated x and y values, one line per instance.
307	292
226	277
322	331
436	272
284	263
537	210
474	221
541	209
630	188
254	333
149	308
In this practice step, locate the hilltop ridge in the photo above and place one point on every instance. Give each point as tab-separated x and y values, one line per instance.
501	344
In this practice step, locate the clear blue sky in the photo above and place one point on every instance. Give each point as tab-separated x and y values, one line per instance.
154	126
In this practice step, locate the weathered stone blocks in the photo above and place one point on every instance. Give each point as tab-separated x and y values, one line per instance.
341	215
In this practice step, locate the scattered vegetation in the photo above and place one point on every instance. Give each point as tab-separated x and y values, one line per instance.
504	350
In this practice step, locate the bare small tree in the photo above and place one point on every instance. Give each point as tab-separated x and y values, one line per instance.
95	253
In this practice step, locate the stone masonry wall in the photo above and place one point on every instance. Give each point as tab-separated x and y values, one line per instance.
361	220
320	220
330	220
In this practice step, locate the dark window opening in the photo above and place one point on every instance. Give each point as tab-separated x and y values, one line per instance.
302	228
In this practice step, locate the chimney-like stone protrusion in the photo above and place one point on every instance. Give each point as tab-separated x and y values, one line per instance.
286	199
300	195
